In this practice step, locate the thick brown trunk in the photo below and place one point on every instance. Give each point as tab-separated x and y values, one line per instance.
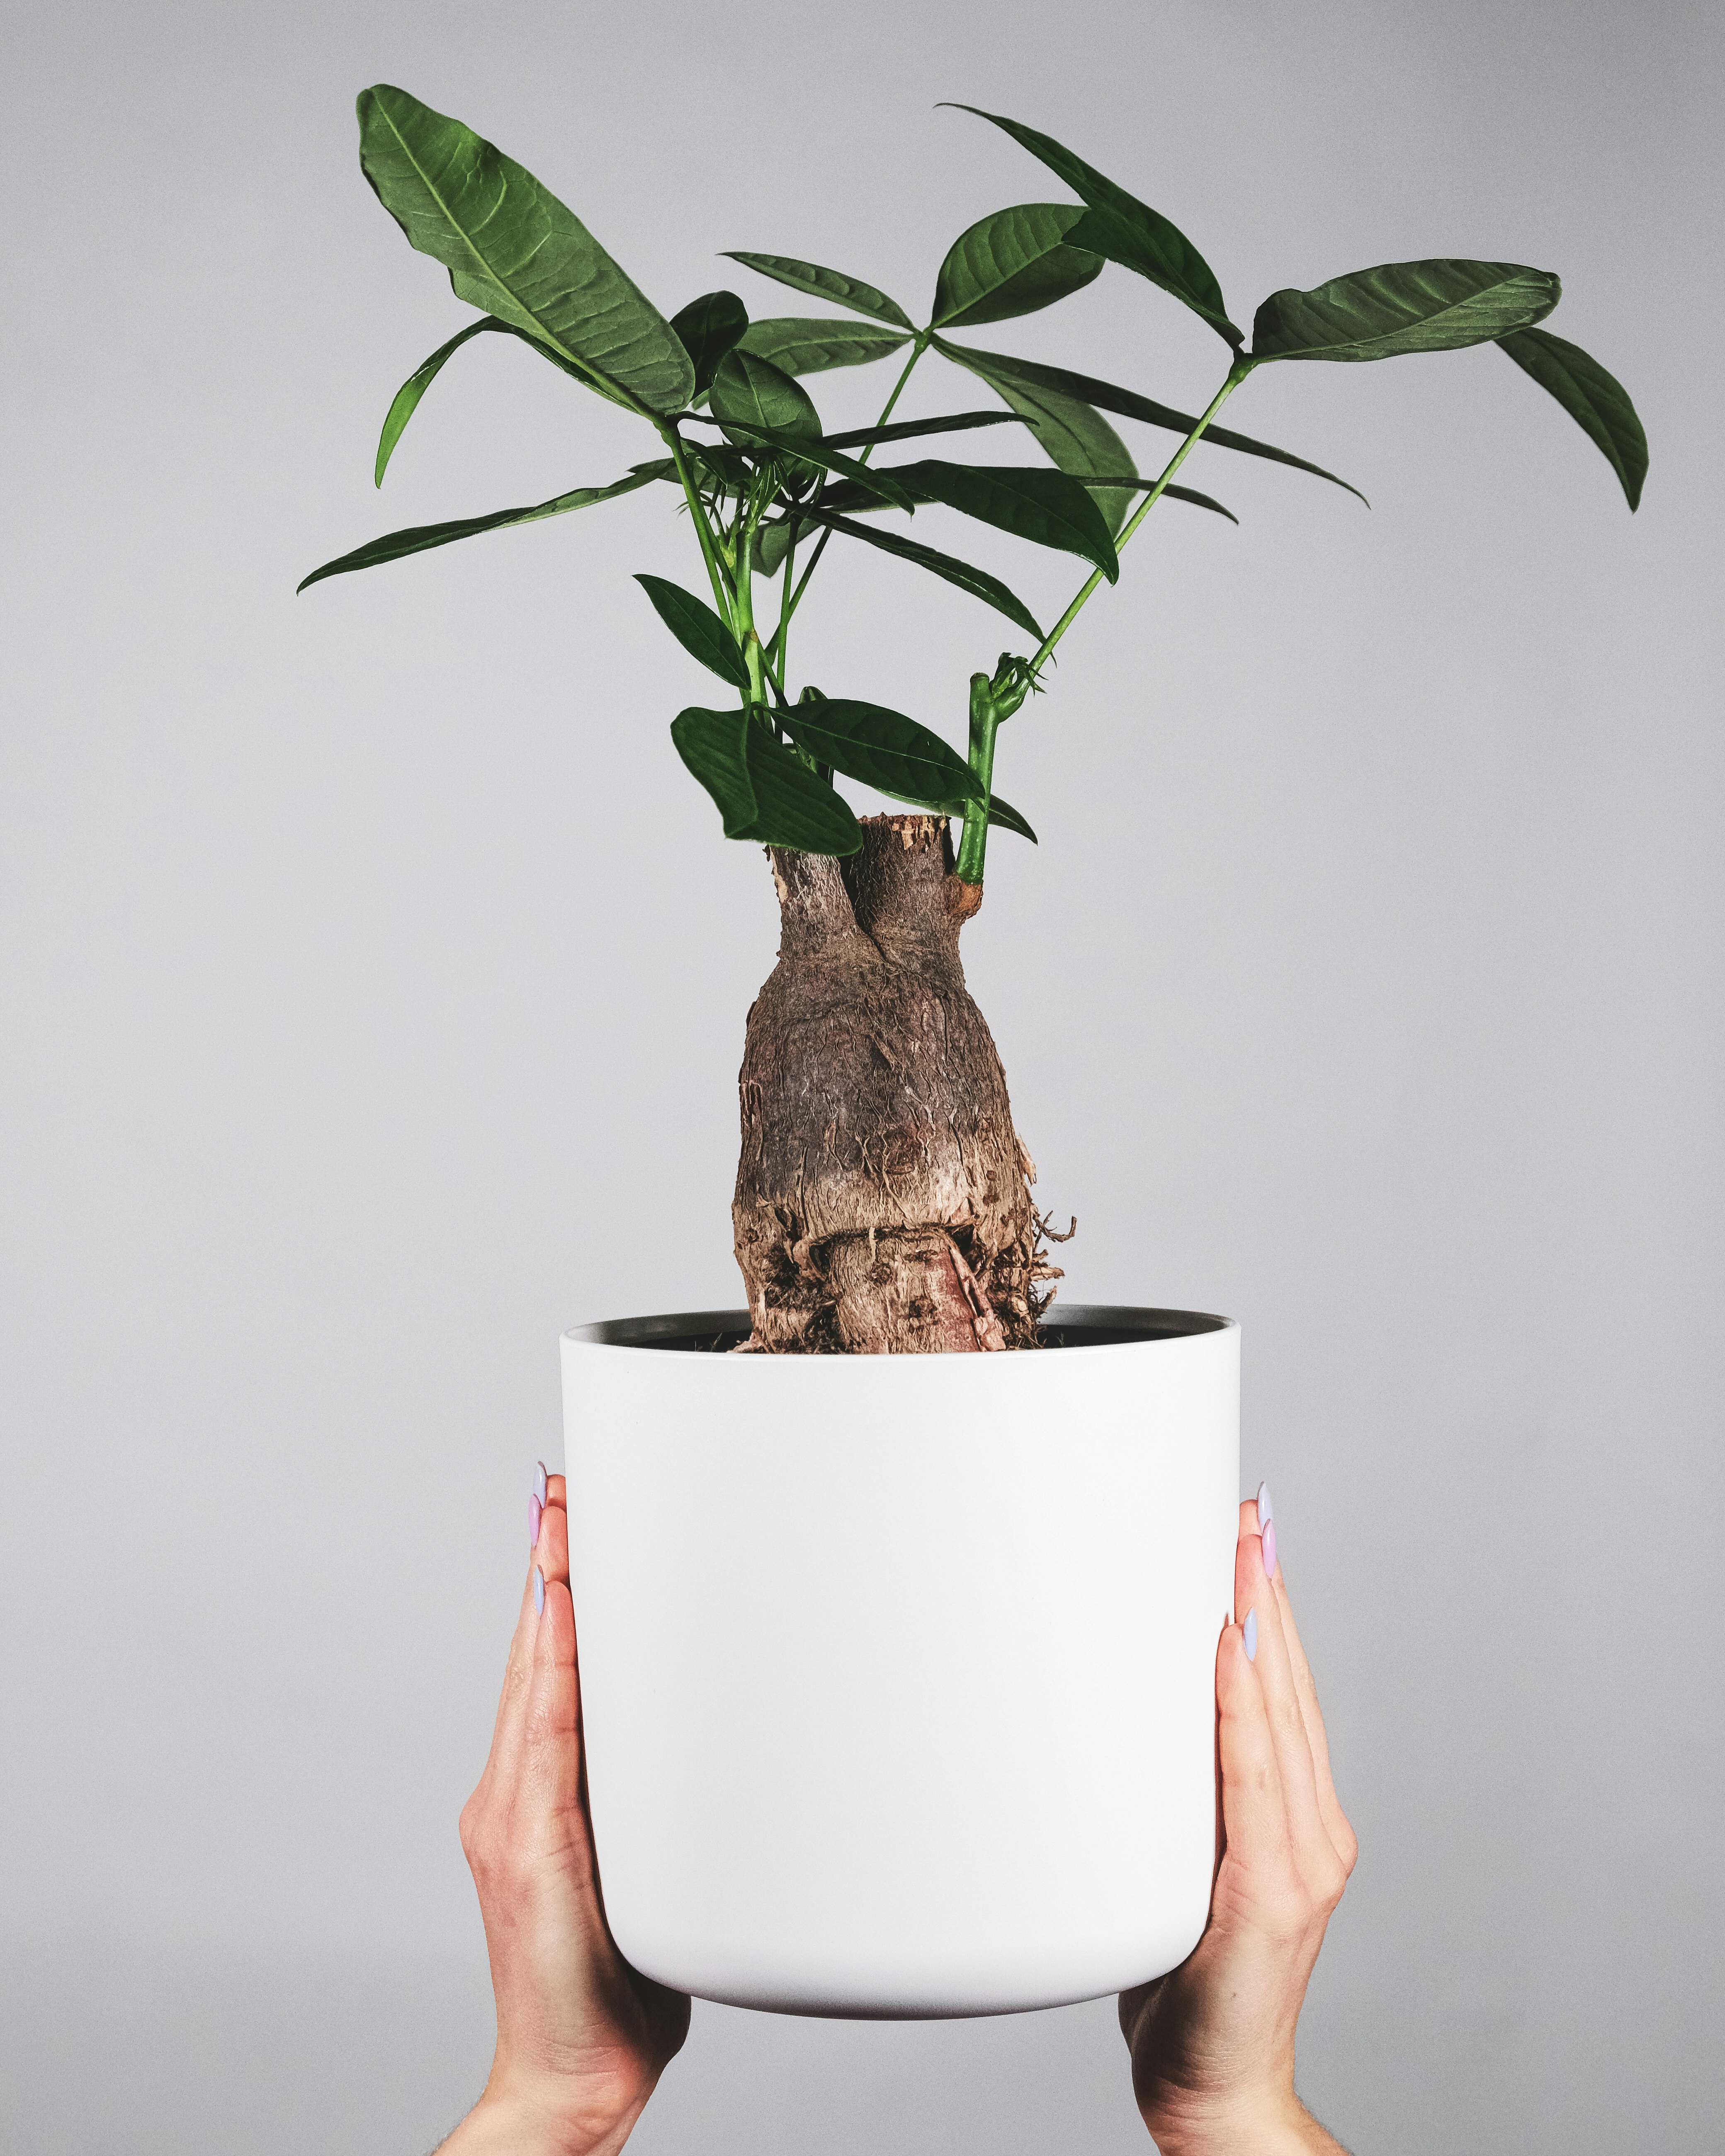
883	1203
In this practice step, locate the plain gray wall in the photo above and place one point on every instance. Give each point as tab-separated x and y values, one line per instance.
374	981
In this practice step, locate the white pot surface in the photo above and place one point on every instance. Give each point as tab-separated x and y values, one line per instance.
898	1672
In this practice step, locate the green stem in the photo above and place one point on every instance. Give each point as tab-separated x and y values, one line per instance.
985	717
795	600
779	649
1236	374
744	625
703	530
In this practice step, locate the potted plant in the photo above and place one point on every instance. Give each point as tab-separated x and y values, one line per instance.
896	1637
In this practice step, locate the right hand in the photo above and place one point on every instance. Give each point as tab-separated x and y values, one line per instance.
582	2037
1213	2042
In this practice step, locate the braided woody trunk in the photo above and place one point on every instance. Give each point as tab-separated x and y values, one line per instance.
883	1203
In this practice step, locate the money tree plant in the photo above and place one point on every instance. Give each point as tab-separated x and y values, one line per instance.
883	1197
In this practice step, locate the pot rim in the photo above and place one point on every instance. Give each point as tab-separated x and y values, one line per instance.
1147	1327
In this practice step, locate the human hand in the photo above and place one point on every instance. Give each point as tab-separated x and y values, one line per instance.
582	2037
1213	2042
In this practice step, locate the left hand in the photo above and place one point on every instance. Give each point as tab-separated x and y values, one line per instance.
582	2037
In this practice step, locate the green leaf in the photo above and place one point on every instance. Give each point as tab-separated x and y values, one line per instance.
1402	307
905	430
714	744
1029	376
763	792
772	542
707	328
751	390
394	545
842	499
1007	818
512	249
799	344
883	484
1596	401
698	630
1011	263
832	285
1198	500
885	750
1046	507
977	581
1122	229
1075	434
407	397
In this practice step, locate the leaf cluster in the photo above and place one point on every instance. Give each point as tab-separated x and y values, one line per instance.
763	482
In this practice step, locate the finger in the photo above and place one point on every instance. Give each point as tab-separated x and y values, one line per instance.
1254	1813
551	1552
1281	1701
1329	1805
557	1490
506	1733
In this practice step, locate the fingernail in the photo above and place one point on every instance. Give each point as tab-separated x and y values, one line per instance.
1269	1548
539	1594
1250	1629
540	1487
534	1510
1266	1510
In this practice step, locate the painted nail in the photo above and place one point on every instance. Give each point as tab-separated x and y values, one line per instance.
539	1593
1251	1629
534	1511
1266	1510
1269	1548
540	1489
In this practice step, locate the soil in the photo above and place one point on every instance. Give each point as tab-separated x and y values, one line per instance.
883	1197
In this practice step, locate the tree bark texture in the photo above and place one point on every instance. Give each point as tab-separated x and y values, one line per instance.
883	1202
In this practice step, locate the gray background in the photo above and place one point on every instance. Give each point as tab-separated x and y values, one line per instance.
374	980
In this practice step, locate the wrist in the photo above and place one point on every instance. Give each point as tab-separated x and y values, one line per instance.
1270	2123
513	2117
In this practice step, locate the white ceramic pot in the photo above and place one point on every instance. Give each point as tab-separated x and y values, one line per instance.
898	1672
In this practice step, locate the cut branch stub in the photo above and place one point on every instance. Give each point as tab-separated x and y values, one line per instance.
882	1205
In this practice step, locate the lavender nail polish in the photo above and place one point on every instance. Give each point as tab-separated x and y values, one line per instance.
1269	1548
540	1489
535	1511
1267	1511
539	1592
1250	1628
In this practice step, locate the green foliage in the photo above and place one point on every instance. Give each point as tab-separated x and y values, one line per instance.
751	391
1045	507
885	750
1007	818
511	247
1026	382
977	581
801	345
394	545
768	492
825	285
763	792
698	630
1075	434
707	328
1012	262
407	397
1402	307
906	430
1122	229
1596	401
